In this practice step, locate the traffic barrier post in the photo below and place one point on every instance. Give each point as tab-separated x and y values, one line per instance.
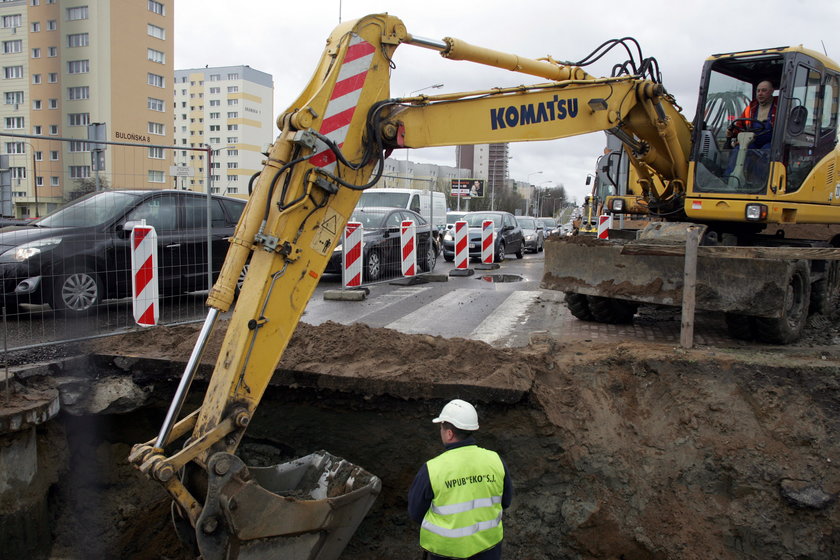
144	275
408	264
352	255
604	225
462	252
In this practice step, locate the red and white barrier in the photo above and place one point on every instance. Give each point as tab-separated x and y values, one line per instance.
352	245
144	275
604	225
408	263
462	253
488	241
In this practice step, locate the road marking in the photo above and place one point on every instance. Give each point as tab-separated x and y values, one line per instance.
502	321
430	317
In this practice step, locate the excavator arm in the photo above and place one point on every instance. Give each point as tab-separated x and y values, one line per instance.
332	144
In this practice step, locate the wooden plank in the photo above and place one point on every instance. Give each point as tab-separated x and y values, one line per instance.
722	252
689	287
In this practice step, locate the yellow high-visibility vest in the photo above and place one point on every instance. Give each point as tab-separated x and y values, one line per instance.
466	513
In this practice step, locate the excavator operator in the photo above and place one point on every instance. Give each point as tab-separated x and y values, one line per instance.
758	117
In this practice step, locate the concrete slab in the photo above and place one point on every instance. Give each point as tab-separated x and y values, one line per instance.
359	294
461	272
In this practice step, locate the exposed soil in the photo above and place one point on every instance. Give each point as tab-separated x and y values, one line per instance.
633	451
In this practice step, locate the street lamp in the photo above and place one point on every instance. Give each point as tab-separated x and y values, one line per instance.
436	86
541	198
493	181
528	179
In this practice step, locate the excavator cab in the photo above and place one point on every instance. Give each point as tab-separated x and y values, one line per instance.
735	153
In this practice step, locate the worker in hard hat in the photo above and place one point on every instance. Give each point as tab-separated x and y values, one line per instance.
458	496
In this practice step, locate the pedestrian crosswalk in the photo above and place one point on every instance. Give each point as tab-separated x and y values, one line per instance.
478	314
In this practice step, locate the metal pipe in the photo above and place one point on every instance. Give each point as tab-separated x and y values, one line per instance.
186	378
426	43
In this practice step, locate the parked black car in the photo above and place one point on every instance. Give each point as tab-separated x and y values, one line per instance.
79	255
509	238
381	253
533	231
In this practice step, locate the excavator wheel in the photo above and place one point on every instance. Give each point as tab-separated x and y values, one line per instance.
740	326
788	327
609	310
579	306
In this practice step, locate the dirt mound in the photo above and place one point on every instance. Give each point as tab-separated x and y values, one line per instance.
632	451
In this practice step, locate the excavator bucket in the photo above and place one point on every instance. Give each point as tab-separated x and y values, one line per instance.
306	509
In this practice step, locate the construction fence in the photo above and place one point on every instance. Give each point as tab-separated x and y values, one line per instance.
65	260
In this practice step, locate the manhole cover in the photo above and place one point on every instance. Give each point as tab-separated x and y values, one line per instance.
500	278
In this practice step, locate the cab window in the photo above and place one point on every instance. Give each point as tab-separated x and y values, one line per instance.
802	125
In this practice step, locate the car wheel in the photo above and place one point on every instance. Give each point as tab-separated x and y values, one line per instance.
429	262
373	266
500	254
77	291
448	258
521	252
540	246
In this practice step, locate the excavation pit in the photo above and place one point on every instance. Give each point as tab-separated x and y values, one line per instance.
615	450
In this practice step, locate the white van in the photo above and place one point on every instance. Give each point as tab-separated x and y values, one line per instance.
429	204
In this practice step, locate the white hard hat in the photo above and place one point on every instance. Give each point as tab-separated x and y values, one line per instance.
460	414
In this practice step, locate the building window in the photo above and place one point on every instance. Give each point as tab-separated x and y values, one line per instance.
215	102
155	56
52	52
156	128
155	31
11	72
233	102
233	127
215	140
154	80
77	40
36	53
53	104
14	147
156	153
79	171
36	104
233	76
18	172
36	78
11	21
155	104
14	97
53	155
232	139
215	77
51	25
233	178
35	26
53	129
78	66
78	92
11	47
39	155
79	12
156	7
14	123
233	114
78	119
215	90
233	165
215	115
39	181
215	128
52	77
155	176
54	181
36	130
233	152
77	146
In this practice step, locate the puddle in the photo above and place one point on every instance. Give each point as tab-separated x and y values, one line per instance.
500	278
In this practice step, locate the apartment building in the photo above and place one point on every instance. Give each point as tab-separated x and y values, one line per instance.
230	109
65	64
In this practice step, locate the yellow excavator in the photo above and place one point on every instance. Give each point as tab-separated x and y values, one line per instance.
332	143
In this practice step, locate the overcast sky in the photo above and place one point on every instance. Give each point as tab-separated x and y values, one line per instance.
285	39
